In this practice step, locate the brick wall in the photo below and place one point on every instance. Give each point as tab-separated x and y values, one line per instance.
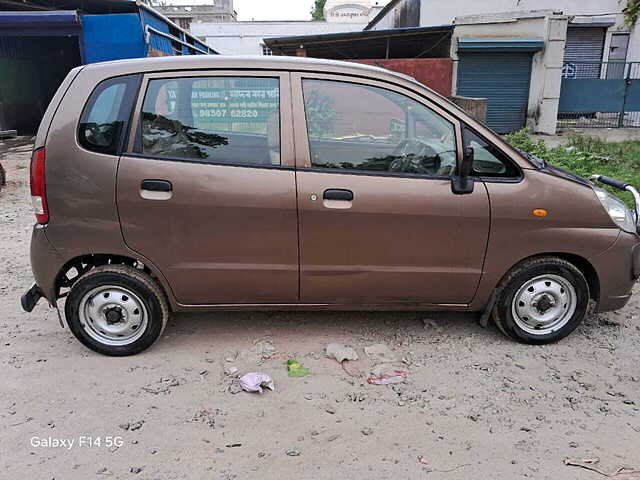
435	73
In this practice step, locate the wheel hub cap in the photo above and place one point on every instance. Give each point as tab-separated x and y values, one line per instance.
113	315
544	304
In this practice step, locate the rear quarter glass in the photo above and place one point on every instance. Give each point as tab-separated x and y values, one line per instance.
104	122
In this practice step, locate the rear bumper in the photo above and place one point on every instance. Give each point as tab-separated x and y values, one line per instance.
45	263
618	268
30	298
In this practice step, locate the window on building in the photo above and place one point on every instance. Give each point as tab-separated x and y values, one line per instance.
234	120
360	127
182	22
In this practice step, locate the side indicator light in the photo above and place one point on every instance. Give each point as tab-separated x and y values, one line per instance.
540	212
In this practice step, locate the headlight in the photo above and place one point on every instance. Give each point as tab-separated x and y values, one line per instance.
617	210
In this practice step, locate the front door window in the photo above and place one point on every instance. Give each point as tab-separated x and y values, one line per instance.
371	129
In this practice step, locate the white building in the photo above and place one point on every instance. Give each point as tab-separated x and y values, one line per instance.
532	40
247	38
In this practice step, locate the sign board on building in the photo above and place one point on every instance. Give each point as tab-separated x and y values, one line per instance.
348	13
569	70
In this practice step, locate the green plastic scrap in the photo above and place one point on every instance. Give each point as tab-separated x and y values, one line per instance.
296	369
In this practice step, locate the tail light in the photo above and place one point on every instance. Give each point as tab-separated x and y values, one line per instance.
38	189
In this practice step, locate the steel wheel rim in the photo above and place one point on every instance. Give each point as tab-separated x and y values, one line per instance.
113	315
544	304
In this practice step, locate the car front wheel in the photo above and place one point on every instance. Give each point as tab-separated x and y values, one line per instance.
541	300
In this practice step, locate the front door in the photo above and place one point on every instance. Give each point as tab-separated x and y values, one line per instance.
208	191
379	223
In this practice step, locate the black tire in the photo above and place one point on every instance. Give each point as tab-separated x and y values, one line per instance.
148	291
519	276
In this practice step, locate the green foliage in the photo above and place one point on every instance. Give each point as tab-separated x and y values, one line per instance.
631	12
296	369
523	141
317	11
320	114
586	156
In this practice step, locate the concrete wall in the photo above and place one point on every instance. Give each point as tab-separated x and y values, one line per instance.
246	38
439	12
546	71
444	12
435	73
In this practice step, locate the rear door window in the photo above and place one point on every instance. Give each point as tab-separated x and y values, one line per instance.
227	120
104	119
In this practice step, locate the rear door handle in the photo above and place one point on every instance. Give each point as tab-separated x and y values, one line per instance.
156	186
338	194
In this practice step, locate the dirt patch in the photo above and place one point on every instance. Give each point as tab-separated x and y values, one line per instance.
474	404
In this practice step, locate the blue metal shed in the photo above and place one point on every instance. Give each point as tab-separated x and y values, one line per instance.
38	48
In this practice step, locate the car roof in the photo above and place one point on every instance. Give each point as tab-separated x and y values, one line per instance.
232	62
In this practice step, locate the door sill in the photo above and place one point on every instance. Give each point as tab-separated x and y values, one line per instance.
324	306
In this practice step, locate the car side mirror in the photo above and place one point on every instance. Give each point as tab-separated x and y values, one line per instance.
461	184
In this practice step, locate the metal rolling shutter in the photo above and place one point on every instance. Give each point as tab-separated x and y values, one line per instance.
584	44
504	80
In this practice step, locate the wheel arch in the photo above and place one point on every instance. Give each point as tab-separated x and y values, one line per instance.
78	265
581	263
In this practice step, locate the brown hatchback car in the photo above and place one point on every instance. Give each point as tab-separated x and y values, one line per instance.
202	183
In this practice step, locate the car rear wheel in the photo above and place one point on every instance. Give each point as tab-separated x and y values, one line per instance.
541	300
116	310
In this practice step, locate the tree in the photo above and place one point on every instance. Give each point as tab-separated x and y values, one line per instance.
317	11
631	12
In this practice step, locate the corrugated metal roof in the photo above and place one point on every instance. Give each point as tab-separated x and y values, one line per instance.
26	18
364	35
501	44
409	42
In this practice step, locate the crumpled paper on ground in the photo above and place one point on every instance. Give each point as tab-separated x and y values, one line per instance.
254	381
388	373
340	352
379	352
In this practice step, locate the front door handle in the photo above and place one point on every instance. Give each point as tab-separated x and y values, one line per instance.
338	194
156	186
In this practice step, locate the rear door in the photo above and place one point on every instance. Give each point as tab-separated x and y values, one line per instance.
379	223
207	190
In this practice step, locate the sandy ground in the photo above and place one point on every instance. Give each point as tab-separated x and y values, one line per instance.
475	404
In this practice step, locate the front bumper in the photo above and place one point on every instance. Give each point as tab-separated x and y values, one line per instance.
618	268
